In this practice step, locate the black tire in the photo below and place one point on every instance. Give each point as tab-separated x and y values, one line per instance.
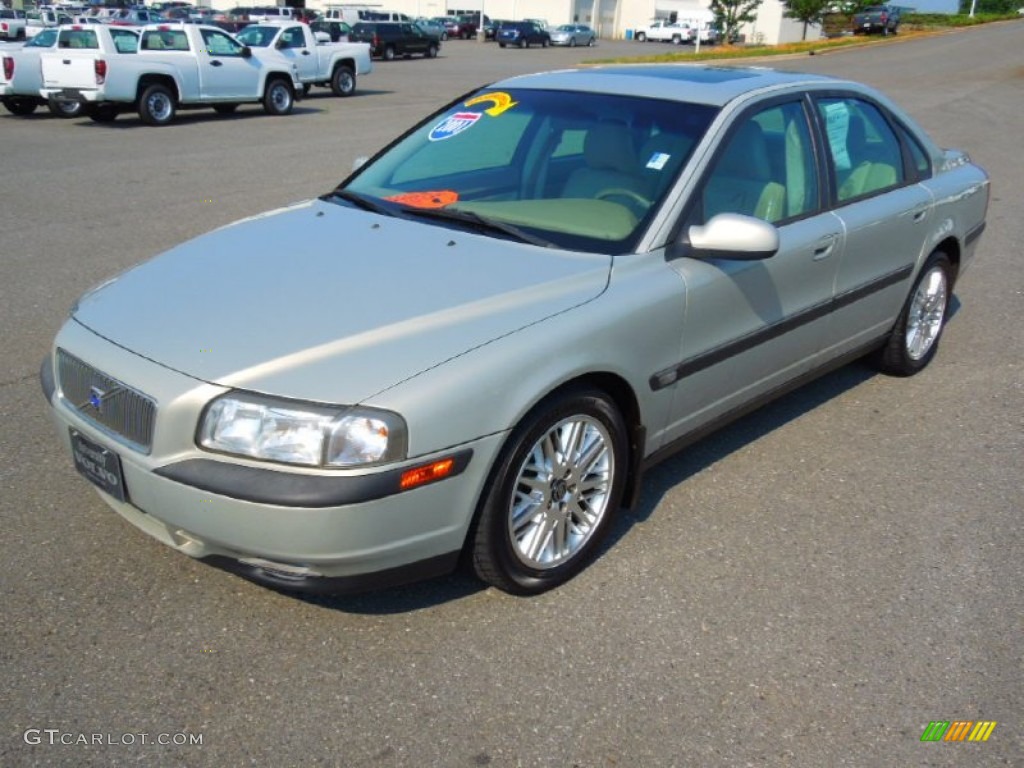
501	45
65	109
544	43
225	109
590	43
431	51
102	113
523	43
278	98
532	547
389	53
20	107
572	42
343	81
641	37
676	40
915	337
156	105
444	36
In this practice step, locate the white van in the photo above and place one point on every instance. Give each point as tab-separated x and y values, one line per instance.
355	15
271	13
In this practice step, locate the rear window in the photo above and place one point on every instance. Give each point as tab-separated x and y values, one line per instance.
78	38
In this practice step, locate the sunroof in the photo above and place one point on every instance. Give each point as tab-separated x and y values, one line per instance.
707	75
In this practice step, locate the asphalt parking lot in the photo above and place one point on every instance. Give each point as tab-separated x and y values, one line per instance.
810	587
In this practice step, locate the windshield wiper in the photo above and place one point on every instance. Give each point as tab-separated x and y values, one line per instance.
481	223
360	201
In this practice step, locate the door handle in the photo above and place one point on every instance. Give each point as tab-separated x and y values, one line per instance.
919	216
216	63
823	248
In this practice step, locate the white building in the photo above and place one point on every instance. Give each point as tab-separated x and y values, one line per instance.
611	18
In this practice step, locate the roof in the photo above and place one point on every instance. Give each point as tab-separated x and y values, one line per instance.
715	86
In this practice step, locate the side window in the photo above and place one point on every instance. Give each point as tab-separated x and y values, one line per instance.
124	41
219	44
864	151
919	158
766	169
293	38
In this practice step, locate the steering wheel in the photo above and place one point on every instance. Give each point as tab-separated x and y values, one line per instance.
623	192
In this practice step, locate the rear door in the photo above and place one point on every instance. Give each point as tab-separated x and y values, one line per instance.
885	214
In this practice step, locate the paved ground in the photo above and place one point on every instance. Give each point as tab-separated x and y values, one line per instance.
808	588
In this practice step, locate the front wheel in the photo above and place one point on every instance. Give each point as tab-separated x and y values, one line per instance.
278	98
915	337
641	37
156	106
431	51
501	45
557	485
18	106
572	42
343	81
65	109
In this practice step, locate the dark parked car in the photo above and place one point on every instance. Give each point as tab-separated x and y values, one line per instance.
462	27
877	18
389	39
523	34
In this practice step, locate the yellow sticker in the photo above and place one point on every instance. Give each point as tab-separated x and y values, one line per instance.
499	99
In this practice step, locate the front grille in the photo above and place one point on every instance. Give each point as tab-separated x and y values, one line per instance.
108	403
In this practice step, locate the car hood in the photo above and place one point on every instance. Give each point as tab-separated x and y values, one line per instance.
328	303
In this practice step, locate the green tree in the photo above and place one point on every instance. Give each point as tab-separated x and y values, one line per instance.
730	14
807	11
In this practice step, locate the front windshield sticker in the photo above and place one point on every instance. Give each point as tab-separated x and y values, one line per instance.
501	101
453	125
658	160
437	199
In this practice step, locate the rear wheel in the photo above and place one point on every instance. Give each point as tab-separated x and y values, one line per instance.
431	51
915	338
156	106
20	106
279	98
389	53
343	81
555	489
501	45
523	43
641	37
66	109
544	43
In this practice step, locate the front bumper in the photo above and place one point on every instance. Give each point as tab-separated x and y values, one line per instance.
290	528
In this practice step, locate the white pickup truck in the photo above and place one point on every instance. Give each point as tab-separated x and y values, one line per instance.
13	24
20	78
177	66
318	62
665	32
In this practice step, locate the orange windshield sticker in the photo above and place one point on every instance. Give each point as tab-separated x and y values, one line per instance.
501	101
438	199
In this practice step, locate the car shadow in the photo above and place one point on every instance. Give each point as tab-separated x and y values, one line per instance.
130	119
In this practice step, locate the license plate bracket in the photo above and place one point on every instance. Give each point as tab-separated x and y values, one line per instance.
99	465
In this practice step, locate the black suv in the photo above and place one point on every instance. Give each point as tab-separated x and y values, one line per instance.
389	39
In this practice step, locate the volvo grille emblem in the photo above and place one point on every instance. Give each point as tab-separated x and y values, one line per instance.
97	397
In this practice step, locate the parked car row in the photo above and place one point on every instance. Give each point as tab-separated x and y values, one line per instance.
104	70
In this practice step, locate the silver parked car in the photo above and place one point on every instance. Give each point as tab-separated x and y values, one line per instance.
542	290
573	35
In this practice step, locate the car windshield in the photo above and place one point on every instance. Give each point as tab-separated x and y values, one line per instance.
256	36
582	171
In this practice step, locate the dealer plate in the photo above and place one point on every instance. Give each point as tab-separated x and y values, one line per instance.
99	465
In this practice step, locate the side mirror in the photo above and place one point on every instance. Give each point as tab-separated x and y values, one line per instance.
246	52
280	43
733	236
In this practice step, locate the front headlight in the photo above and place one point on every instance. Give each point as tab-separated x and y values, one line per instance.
275	429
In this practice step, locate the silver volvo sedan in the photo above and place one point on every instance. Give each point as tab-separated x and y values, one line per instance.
483	337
